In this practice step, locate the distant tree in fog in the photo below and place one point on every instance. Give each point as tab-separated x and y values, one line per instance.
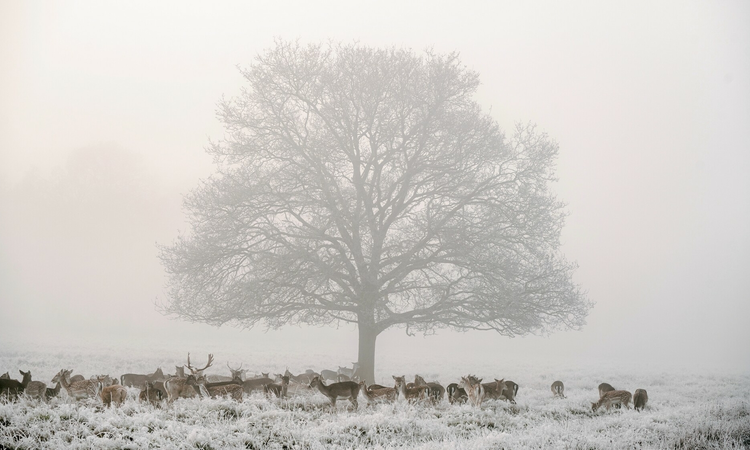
365	185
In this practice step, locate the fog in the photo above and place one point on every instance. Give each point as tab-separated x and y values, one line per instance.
106	107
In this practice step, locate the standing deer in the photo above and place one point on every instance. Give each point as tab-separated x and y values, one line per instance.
13	388
640	398
434	390
512	391
150	394
344	389
36	389
383	394
256	384
613	398
409	393
178	386
474	389
558	389
77	390
350	374
456	394
52	392
113	394
497	390
139	381
218	389
278	389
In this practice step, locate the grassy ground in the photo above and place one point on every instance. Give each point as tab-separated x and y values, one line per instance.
685	411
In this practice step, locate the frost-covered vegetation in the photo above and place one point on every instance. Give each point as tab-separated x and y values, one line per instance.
685	410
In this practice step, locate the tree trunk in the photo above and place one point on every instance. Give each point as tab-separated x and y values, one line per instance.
367	337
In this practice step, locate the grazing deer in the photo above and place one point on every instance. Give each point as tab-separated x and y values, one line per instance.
613	398
375	395
604	388
278	389
640	398
558	389
512	391
139	381
344	389
456	394
409	393
52	392
434	390
77	390
150	394
496	390
13	388
178	387
474	389
113	394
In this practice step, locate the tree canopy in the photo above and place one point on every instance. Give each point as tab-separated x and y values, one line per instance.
366	185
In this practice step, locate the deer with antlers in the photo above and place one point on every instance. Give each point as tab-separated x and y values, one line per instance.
178	386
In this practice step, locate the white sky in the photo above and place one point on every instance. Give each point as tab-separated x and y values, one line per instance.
649	101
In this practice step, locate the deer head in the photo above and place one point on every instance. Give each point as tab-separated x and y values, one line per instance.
199	372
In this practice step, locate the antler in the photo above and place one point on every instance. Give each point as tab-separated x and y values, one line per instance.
194	370
234	370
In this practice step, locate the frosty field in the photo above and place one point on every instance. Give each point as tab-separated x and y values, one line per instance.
685	410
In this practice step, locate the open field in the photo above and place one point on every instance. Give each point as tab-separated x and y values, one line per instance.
686	410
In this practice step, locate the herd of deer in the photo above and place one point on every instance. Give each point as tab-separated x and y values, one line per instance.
157	387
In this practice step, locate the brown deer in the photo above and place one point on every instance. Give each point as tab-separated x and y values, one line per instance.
256	384
640	398
512	391
378	395
409	393
350	374
77	390
234	374
613	398
278	389
474	389
213	390
139	380
36	389
344	389
496	390
113	394
50	393
434	390
456	394
178	387
150	394
14	388
604	388
558	389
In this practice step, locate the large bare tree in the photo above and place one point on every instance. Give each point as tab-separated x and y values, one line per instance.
365	185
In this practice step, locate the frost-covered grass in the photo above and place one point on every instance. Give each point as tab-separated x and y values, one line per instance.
685	410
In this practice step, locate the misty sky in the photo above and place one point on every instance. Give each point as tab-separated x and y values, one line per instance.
106	107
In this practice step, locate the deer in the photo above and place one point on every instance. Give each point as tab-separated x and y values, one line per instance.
77	390
640	398
604	388
36	389
456	394
344	389
350	374
74	378
496	390
329	375
378	395
409	393
149	393
213	390
558	389
474	389
238	373
13	388
434	390
113	394
278	389
256	384
613	398
5	376
138	380
512	391
50	393
303	378
177	386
